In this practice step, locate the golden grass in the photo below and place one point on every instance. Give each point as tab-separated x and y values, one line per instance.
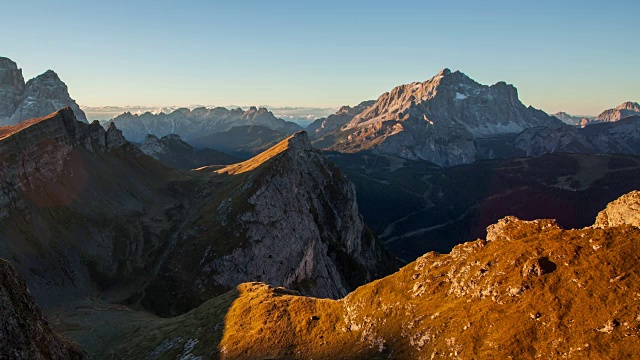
257	160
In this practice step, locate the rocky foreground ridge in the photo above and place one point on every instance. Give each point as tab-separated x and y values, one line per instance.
530	290
24	331
39	97
85	213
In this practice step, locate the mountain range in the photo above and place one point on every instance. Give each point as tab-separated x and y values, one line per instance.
412	226
190	124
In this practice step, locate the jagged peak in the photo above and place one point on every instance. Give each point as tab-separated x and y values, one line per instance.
444	72
295	143
629	105
151	137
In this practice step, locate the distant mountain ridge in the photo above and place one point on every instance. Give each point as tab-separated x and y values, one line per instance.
174	152
37	97
438	120
198	122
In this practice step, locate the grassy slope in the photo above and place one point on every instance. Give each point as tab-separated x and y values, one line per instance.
545	293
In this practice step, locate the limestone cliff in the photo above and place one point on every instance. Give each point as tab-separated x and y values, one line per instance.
39	97
438	120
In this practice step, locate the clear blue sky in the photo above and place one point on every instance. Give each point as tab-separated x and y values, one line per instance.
578	56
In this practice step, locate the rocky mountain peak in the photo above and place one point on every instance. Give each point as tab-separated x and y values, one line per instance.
300	141
39	97
438	120
444	72
621	111
629	105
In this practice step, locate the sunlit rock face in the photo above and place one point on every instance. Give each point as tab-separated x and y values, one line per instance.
438	120
39	97
621	111
530	290
24	331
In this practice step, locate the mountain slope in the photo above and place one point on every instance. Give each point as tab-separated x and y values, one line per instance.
198	122
530	290
85	213
174	152
24	331
39	97
287	216
438	120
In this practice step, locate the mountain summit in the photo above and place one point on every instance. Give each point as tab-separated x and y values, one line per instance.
39	97
621	111
438	120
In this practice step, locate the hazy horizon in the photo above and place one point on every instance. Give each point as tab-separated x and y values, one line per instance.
561	57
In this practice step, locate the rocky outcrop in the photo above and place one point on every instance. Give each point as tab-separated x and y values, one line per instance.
619	112
174	152
24	331
440	116
534	291
39	97
198	122
287	217
623	211
344	115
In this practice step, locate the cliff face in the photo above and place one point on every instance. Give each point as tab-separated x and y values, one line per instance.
11	88
287	217
24	331
438	120
531	290
39	97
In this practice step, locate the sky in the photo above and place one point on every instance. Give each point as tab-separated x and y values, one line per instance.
577	56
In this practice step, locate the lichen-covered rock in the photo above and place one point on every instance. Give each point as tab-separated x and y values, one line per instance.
623	211
24	331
